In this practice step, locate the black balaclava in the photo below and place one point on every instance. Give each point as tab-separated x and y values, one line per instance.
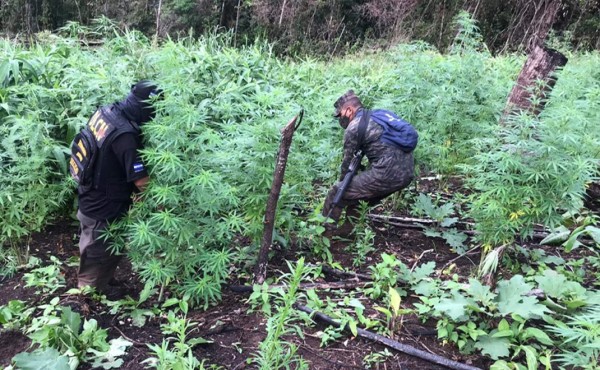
137	105
344	121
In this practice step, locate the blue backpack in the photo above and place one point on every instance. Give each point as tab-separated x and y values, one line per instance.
396	131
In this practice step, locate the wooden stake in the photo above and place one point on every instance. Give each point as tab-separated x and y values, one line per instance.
260	271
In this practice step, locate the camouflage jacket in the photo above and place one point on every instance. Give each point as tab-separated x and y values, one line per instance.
386	162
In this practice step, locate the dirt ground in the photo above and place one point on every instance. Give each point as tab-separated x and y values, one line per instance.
234	330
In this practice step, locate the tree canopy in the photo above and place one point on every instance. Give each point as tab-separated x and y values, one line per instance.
323	27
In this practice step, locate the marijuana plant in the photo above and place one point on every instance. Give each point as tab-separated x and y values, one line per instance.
581	337
274	352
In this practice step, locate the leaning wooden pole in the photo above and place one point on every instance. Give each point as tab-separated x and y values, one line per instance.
260	270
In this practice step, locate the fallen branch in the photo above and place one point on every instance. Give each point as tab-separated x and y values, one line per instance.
431	178
419	259
439	177
348	284
457	258
402	219
342	274
391	343
418	224
133	341
397	224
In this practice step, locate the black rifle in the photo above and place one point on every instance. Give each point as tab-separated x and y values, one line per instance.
352	169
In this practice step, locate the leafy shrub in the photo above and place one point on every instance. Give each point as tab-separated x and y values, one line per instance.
39	115
211	148
61	337
535	169
581	336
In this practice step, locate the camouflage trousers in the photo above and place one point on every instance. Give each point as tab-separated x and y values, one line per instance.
96	264
372	185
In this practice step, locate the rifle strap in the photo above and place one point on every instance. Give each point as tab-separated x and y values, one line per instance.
362	128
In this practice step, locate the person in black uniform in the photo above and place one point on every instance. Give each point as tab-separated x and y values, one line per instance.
119	172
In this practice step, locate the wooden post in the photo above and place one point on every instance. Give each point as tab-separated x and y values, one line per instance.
260	271
540	67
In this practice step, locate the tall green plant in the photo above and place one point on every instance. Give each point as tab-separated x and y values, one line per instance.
274	352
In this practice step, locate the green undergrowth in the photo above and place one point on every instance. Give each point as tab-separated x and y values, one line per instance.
212	147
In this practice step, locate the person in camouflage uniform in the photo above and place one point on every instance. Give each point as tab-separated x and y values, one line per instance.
390	168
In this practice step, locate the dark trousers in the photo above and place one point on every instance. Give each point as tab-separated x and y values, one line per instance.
96	264
372	185
351	204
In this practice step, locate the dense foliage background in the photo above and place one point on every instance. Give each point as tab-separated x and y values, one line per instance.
320	27
211	148
211	154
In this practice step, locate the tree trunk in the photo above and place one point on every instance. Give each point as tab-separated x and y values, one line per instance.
542	23
237	21
535	82
282	10
527	95
158	20
260	271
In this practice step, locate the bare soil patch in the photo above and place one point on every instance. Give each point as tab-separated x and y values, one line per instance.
236	332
